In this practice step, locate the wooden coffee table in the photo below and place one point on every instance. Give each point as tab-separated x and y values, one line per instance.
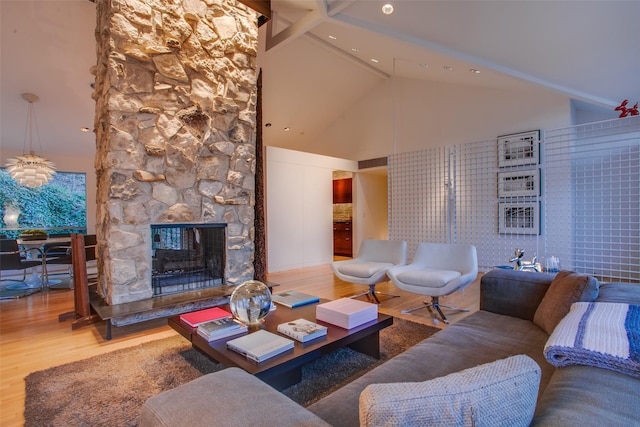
285	369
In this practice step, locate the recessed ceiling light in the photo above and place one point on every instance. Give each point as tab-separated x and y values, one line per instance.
387	9
448	67
424	65
474	71
287	129
85	129
333	37
374	60
267	125
355	49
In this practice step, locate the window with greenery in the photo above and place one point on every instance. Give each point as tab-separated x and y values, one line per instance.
58	207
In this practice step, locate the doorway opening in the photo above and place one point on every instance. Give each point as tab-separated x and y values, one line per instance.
342	213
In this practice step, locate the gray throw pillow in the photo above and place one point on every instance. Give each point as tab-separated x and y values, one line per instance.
565	289
499	393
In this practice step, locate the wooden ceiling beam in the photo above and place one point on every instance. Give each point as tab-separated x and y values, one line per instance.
263	7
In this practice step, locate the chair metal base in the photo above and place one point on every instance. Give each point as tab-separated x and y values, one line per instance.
34	282
23	285
52	281
6	293
435	303
19	289
371	294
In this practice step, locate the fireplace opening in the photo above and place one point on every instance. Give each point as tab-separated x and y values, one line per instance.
187	257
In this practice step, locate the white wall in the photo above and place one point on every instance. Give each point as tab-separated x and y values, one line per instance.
70	164
582	112
397	117
429	114
299	200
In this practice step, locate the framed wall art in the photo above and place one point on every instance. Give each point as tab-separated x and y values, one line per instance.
522	183
519	149
519	218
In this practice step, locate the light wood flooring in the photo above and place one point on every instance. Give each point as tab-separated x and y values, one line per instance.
32	339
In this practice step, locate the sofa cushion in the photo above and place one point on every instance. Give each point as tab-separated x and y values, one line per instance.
565	289
628	293
230	397
587	396
482	337
503	392
512	292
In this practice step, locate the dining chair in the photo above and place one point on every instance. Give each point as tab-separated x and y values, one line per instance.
54	250
14	258
60	254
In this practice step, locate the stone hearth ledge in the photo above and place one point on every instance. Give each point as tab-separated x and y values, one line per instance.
161	306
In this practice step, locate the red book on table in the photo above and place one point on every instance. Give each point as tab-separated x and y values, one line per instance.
195	318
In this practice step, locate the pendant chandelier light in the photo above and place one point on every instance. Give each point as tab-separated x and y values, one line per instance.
30	169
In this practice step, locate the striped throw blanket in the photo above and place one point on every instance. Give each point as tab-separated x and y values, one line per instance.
604	335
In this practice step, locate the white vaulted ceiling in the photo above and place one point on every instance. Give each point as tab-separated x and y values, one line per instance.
586	50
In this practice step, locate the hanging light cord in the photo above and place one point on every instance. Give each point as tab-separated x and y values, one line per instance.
31	120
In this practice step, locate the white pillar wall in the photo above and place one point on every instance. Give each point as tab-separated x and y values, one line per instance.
299	208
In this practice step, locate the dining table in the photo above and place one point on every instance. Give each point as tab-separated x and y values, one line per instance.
35	248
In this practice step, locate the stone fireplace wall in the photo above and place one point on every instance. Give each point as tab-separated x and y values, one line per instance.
175	125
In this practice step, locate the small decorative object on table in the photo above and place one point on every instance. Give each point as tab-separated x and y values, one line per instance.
250	302
522	265
302	330
260	345
196	318
347	313
221	328
552	265
294	299
27	235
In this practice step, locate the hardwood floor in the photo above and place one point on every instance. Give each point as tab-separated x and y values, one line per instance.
32	339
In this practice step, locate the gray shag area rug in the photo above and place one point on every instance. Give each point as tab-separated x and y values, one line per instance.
110	389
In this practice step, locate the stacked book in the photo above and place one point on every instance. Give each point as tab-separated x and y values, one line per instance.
220	328
260	345
293	299
302	330
347	313
213	323
196	318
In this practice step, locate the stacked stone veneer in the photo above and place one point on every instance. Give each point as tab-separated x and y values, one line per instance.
175	128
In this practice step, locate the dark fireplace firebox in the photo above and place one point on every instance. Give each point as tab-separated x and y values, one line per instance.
187	257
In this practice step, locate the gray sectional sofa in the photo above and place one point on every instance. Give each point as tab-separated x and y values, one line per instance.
516	317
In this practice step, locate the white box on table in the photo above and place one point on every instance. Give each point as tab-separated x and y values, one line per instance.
347	312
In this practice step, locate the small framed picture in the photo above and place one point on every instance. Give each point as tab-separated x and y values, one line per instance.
519	149
522	183
519	218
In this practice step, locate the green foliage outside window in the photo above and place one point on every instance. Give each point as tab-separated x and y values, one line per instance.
60	203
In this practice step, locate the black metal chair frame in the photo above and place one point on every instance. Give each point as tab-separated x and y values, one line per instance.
11	259
64	254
